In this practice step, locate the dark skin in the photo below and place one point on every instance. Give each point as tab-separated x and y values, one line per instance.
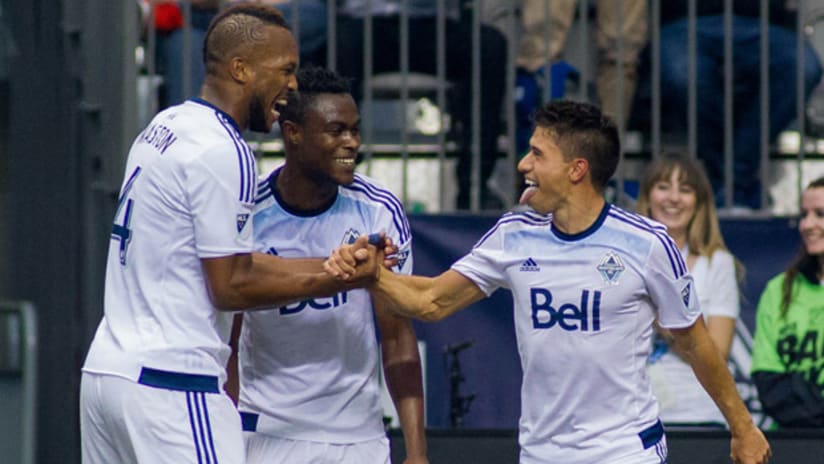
247	85
320	156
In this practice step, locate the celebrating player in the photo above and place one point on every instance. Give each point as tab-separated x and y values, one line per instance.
181	256
588	280
309	388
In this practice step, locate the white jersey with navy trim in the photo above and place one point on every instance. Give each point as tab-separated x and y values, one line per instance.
309	370
584	310
188	194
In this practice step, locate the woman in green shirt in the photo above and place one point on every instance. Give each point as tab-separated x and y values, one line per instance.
788	352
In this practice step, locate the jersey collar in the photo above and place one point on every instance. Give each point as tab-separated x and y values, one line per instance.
225	114
584	233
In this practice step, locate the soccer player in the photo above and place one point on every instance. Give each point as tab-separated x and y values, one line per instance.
309	388
588	280
180	259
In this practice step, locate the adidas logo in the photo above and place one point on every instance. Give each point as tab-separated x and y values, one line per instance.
530	266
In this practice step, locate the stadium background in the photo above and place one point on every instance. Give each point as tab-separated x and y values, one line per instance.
67	116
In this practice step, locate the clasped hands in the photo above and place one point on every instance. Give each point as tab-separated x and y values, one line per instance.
360	262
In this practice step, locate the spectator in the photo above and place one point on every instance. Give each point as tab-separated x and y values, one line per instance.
310	28
675	191
171	49
422	58
628	24
787	365
746	43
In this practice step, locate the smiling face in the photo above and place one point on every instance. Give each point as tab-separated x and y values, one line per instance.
811	225
273	70
546	173
672	202
329	139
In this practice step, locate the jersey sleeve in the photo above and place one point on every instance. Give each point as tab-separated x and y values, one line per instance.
220	186
670	286
392	220
482	264
723	287
764	354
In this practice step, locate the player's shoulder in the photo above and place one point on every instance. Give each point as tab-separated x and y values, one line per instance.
523	219
634	223
368	190
265	195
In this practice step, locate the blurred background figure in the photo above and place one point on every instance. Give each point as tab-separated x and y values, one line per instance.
386	24
746	62
675	191
307	19
787	365
170	52
624	21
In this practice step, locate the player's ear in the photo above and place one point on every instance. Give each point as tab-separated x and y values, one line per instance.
292	133
578	170
239	70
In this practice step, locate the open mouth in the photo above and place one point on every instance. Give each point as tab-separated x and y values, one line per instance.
347	162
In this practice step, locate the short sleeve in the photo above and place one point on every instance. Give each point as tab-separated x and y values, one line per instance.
483	263
393	221
764	354
670	286
217	185
722	297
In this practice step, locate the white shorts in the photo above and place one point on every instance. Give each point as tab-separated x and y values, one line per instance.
126	422
266	449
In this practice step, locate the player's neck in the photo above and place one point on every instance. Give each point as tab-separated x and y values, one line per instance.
301	193
578	213
223	99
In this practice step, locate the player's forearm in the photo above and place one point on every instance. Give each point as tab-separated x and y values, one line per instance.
414	296
251	281
405	386
711	371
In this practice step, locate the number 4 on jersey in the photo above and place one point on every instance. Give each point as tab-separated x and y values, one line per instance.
121	231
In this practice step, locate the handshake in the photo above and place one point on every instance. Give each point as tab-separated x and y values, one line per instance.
360	263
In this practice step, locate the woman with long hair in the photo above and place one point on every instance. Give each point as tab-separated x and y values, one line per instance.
788	351
676	192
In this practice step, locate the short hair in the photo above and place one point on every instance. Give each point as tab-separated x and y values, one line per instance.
312	81
238	27
581	130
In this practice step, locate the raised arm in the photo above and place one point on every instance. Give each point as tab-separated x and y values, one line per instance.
402	371
748	444
256	280
425	298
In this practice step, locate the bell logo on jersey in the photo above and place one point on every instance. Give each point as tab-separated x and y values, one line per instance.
315	303
587	313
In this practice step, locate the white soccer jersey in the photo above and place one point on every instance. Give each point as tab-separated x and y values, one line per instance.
584	309
309	370
188	192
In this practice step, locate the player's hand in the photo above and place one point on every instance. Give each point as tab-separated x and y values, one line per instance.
357	263
390	250
750	447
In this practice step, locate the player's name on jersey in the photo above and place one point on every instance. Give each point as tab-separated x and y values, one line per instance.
158	136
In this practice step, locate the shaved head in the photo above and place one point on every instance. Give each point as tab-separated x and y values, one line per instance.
238	31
